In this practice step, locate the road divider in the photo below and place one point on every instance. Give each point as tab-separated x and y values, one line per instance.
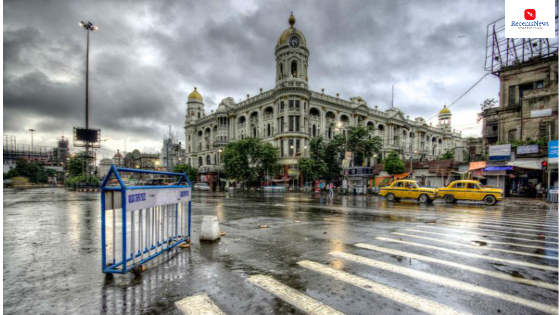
410	300
484	272
501	260
293	297
447	282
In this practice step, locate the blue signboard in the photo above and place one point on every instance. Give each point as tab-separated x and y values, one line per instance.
553	149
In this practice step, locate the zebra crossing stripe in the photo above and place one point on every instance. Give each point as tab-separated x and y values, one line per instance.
485	240
478	233
499	275
293	297
476	247
198	305
505	227
448	282
496	231
506	261
508	222
411	300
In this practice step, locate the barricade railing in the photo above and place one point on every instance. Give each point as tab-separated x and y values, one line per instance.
140	223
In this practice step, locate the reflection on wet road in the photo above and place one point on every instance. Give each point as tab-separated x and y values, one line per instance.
350	255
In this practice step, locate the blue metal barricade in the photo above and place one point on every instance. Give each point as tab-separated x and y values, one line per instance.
138	223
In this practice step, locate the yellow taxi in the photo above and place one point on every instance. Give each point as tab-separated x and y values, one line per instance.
470	190
408	189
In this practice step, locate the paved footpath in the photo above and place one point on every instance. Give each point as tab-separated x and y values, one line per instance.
350	255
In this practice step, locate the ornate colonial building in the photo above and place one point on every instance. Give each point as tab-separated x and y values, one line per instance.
290	114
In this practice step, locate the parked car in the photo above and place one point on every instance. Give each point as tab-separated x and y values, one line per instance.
408	189
201	186
470	190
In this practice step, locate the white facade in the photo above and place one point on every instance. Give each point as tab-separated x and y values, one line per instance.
290	114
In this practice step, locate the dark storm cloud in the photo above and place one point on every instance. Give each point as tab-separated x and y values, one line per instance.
148	55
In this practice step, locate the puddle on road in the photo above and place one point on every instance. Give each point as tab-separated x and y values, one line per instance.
517	274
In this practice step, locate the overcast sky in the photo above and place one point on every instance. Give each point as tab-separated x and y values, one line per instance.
148	55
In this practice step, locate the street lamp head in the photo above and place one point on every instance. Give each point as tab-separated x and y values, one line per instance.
339	124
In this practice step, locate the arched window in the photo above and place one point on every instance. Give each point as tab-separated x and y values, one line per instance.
254	132
314	130
294	69
200	161
208	160
215	158
281	71
330	133
268	131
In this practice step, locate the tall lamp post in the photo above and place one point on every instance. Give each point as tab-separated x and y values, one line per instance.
89	27
31	130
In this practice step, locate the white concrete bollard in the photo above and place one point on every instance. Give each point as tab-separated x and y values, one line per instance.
210	229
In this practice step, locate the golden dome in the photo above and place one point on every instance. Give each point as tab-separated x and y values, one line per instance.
445	110
292	30
195	95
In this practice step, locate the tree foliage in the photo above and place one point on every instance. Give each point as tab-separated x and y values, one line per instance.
448	155
392	164
186	168
360	142
250	159
35	172
76	165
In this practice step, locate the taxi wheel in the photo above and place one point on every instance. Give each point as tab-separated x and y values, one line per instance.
391	197
489	200
423	198
449	198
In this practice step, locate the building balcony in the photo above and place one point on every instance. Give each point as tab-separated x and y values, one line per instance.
268	117
314	118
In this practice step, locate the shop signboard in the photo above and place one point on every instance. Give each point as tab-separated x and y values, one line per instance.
553	151
528	149
500	152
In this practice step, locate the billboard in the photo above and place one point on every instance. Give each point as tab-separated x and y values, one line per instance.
87	137
528	149
499	152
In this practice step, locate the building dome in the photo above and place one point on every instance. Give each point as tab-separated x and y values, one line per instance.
117	155
292	30
445	110
195	95
222	109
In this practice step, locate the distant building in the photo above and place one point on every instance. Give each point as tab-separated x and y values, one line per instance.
528	107
289	114
61	153
104	166
171	151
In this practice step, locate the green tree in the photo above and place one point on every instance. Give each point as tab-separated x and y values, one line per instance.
392	164
35	172
76	165
189	170
250	159
448	155
360	142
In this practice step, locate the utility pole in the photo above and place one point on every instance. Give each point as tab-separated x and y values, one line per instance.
548	167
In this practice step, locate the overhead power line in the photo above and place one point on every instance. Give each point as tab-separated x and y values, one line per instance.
460	97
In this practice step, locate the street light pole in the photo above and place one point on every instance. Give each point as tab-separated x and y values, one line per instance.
89	27
31	130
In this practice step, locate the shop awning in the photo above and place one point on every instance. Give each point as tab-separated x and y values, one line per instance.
530	164
498	168
473	166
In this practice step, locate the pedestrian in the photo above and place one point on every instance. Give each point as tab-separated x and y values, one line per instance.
331	190
322	186
538	189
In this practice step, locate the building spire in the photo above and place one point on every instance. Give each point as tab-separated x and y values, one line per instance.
292	19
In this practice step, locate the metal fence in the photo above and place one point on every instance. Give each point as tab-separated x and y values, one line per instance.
140	223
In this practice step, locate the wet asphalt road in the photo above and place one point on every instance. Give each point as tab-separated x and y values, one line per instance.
52	256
